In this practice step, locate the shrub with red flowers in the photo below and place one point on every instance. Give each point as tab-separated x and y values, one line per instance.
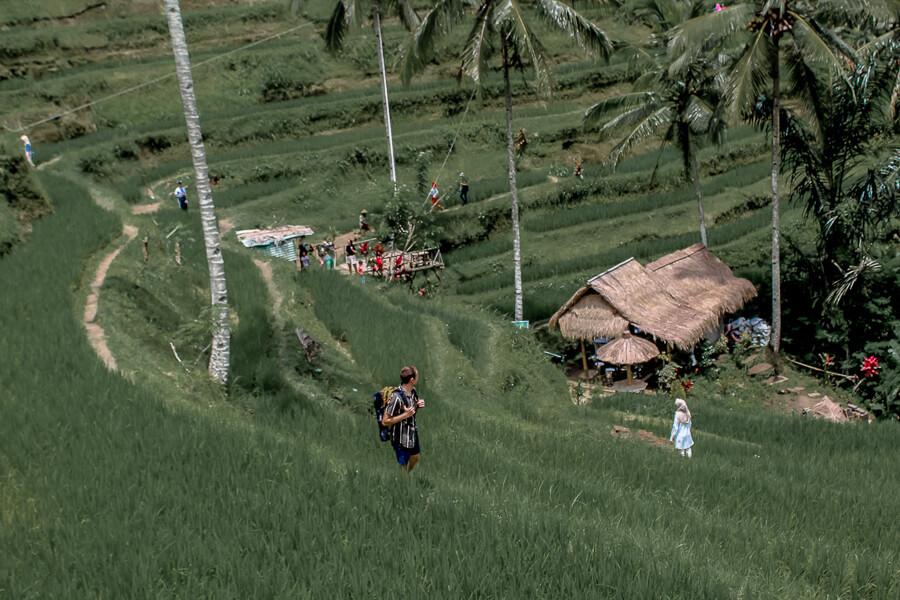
870	366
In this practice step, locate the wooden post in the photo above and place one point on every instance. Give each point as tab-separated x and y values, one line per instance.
297	252
583	357
178	254
628	370
144	246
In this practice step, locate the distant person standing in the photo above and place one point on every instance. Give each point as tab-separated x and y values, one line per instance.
181	195
681	428
463	188
29	155
350	253
400	416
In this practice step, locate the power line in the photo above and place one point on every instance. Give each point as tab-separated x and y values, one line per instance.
158	79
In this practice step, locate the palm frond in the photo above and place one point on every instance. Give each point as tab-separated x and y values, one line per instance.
336	29
703	32
407	14
851	276
862	14
479	47
806	86
510	18
892	37
597	114
586	34
750	73
813	45
646	127
419	47
697	114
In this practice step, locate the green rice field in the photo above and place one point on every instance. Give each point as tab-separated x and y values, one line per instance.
148	481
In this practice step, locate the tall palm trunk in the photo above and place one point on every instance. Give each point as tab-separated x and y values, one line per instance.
376	13
221	345
695	174
513	187
776	168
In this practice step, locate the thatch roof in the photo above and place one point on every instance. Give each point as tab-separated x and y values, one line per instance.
696	277
628	350
677	301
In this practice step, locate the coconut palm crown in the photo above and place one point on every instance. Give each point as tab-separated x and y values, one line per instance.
504	26
674	97
782	38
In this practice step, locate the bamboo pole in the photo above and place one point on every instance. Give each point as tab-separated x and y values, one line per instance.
583	357
628	370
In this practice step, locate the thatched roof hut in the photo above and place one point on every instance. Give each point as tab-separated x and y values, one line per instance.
677	301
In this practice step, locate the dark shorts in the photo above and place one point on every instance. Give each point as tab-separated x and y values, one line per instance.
404	454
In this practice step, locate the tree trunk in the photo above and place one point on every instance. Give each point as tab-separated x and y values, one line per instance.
221	344
513	187
776	168
695	174
376	14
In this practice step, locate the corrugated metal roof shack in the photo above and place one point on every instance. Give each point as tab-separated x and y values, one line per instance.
281	241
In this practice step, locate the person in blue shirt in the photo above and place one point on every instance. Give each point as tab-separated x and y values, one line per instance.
181	195
681	428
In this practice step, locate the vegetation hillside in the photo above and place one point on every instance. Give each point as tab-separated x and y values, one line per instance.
148	480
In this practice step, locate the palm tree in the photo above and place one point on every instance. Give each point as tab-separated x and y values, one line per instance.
503	23
221	345
350	13
676	96
809	47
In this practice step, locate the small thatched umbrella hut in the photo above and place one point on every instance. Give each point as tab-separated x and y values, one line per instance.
628	350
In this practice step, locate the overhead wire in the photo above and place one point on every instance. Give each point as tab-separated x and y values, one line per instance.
453	143
158	79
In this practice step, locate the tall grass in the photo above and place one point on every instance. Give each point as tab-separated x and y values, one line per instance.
110	490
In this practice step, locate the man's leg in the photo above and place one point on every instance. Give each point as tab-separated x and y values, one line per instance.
412	462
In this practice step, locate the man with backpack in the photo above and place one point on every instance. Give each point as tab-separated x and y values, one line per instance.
400	416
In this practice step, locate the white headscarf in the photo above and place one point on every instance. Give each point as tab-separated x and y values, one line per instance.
682	412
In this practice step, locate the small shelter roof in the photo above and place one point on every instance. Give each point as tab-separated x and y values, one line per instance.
264	237
677	301
628	350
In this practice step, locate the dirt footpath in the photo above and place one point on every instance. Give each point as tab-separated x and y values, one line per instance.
95	334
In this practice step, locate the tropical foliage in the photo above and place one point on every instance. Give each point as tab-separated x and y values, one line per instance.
674	98
507	24
849	184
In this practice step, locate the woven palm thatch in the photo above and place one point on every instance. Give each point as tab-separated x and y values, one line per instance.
591	316
628	350
697	278
677	301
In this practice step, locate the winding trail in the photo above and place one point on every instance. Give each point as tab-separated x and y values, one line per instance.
95	333
266	270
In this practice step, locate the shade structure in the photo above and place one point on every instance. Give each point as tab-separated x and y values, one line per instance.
628	350
676	299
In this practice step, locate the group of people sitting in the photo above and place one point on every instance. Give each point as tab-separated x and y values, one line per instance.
370	259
